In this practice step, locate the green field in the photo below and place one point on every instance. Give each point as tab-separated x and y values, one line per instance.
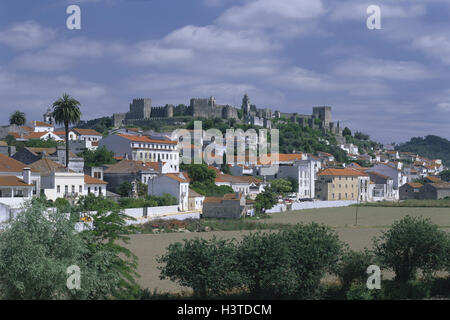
371	221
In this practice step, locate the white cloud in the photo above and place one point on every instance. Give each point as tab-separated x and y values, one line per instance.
385	69
357	10
437	45
60	55
218	39
26	35
269	13
152	53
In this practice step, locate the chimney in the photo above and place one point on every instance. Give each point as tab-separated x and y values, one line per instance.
26	175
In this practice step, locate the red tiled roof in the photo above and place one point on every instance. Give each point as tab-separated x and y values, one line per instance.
41	124
145	139
341	172
92	180
177	177
86	132
13	181
8	164
414	184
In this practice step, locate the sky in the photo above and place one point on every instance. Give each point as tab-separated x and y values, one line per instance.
289	55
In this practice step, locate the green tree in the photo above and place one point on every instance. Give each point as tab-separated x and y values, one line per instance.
18	118
113	267
353	267
98	157
265	200
346	132
315	251
124	189
206	266
35	252
412	244
282	186
445	175
265	265
66	111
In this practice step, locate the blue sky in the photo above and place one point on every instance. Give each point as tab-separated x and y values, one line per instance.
288	55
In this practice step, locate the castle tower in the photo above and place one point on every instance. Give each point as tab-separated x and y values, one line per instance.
140	109
212	101
246	104
169	111
48	116
323	113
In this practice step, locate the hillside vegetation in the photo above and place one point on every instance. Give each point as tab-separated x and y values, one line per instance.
432	147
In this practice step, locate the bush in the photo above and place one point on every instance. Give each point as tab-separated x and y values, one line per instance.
413	244
266	266
353	267
412	289
315	250
206	266
359	291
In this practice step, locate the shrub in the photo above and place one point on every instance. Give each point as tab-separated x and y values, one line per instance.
412	289
206	266
265	263
315	250
411	244
359	291
353	267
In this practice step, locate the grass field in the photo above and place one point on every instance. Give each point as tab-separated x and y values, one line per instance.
371	222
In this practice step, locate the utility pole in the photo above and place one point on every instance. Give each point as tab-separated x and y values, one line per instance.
357	203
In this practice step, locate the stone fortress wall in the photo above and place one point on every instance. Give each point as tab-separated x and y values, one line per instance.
142	111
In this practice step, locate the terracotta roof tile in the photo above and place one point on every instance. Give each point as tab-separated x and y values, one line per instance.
91	180
86	132
341	172
13	181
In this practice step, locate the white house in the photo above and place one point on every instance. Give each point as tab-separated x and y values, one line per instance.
142	148
58	181
40	126
87	134
41	135
95	186
12	167
305	173
247	185
393	171
14	192
175	184
195	201
350	148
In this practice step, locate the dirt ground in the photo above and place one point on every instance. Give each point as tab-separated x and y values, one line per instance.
371	222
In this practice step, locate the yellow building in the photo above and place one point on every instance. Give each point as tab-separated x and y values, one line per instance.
342	184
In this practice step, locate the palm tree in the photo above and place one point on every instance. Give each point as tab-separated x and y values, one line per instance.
66	111
17	118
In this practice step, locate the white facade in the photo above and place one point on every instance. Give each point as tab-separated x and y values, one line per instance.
63	184
39	126
393	172
96	189
143	149
175	184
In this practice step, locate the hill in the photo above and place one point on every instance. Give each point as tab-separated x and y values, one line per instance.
432	147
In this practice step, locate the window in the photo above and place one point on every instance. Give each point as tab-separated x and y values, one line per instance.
66	188
100	190
80	188
73	189
58	189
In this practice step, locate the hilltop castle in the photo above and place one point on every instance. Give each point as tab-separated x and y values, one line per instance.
141	110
